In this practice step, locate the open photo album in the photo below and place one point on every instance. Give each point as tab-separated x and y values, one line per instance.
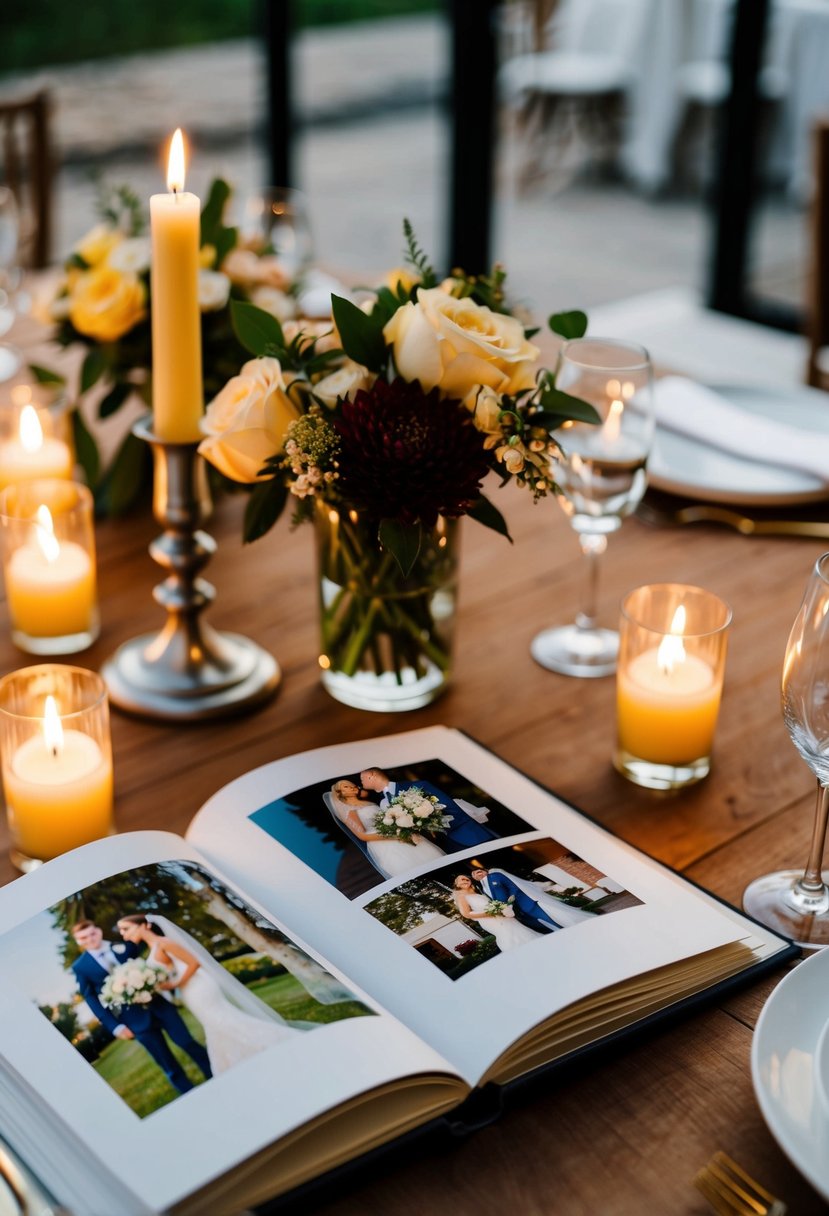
346	945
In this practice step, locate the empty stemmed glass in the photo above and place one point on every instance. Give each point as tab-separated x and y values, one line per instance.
10	357
796	902
601	473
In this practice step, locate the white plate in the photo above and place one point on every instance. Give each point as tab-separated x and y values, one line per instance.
688	466
784	1067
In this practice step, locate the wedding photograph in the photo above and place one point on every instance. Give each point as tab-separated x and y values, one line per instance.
359	829
460	916
162	977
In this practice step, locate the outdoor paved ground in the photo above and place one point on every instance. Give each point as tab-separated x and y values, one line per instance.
371	148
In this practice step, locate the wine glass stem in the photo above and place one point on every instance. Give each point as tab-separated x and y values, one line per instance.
593	545
812	881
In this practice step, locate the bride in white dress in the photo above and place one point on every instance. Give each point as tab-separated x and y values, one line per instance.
507	931
390	857
236	1023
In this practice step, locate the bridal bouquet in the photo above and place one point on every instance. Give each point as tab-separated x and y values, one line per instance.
132	983
411	813
499	907
384	431
102	303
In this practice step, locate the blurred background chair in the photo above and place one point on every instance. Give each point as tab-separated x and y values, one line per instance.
818	303
26	166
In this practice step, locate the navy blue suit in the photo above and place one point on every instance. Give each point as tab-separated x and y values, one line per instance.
463	832
526	908
147	1022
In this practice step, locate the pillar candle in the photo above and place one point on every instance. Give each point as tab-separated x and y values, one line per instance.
29	455
50	585
176	321
667	714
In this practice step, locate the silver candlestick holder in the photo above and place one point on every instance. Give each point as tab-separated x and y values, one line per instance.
188	671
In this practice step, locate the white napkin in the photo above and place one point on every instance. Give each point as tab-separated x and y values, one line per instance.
696	411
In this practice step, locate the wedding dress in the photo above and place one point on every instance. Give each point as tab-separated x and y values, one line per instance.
231	1034
563	914
507	931
390	857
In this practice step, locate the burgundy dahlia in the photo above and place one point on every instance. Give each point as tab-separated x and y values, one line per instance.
409	455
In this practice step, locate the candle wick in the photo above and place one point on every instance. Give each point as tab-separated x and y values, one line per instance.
54	751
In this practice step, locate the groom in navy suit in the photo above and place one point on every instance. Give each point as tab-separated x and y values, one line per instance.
146	1024
498	885
463	832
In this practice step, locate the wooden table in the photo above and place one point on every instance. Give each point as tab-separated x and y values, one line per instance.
630	1134
626	1136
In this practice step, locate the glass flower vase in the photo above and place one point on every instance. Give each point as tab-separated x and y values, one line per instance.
386	636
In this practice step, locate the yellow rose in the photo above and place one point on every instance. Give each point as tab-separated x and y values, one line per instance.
455	345
344	383
98	244
247	421
106	304
400	277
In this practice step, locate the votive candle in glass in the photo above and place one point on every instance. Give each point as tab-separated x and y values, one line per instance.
672	646
49	566
56	760
35	435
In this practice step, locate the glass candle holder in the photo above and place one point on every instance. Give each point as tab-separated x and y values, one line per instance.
49	566
56	760
35	435
669	682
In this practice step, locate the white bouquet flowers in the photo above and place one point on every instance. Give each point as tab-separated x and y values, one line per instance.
410	814
131	983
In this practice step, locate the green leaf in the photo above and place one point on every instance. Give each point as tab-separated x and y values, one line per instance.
114	399
264	508
213	210
94	366
361	335
255	328
485	513
563	406
568	324
129	474
86	449
44	375
76	262
225	241
402	541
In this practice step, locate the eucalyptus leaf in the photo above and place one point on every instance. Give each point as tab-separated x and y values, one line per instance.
94	366
264	507
361	335
86	449
568	324
45	375
255	328
487	514
403	542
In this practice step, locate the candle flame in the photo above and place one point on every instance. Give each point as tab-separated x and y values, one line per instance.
52	728
31	432
671	650
613	422
45	534
175	163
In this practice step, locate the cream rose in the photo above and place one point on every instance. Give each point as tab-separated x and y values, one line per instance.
214	290
106	304
343	384
455	345
485	405
278	303
247	421
131	255
243	266
96	246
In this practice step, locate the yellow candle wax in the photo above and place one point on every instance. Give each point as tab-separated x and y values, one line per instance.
30	455
665	714
58	797
51	592
176	321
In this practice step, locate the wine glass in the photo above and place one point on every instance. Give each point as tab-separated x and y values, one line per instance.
277	219
11	358
601	473
796	902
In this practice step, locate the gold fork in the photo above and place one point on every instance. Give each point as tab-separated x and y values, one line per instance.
733	1192
698	513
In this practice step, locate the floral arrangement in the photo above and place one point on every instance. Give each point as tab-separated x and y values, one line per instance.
499	907
384	430
102	303
411	813
131	983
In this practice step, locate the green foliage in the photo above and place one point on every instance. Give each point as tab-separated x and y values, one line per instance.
256	329
127	476
213	229
568	324
403	541
487	513
417	258
360	334
63	1017
120	207
44	375
86	449
264	507
94	366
